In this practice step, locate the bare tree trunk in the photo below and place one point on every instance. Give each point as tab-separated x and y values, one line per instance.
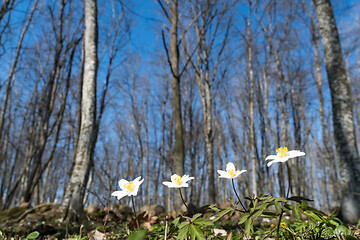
179	156
72	205
251	103
267	123
173	59
344	129
147	154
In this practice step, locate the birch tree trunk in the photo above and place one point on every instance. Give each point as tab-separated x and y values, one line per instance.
344	129
251	103
72	205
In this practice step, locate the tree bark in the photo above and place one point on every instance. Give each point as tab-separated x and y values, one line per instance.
342	109
72	205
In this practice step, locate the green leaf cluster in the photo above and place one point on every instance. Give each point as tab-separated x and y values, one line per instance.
192	227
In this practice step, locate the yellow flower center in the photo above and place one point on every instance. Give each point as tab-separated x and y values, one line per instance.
177	180
231	172
282	152
129	186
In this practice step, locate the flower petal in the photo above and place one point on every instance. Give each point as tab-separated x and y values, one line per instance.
119	194
137	180
184	185
186	178
271	157
134	192
140	182
122	182
238	173
229	166
283	159
136	189
272	162
169	184
295	153
223	174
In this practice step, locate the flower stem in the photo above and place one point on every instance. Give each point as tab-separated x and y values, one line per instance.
287	196
232	181
182	198
289	178
133	205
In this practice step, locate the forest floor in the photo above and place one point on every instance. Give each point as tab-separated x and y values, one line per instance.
21	222
46	219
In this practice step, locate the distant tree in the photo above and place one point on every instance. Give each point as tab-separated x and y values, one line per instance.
212	24
342	109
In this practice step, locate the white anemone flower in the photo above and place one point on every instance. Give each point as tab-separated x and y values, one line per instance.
128	188
283	155
178	182
230	172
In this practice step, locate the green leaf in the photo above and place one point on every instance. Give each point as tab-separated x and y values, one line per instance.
257	214
268	200
342	230
335	221
320	213
195	216
280	199
254	203
183	233
288	207
263	197
183	224
270	214
213	207
176	221
299	199
313	216
249	227
203	222
192	232
196	232
223	213
262	206
348	237
295	212
243	218
137	235
277	206
304	205
33	235
260	211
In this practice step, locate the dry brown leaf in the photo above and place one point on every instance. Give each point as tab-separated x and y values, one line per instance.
147	225
96	235
229	236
